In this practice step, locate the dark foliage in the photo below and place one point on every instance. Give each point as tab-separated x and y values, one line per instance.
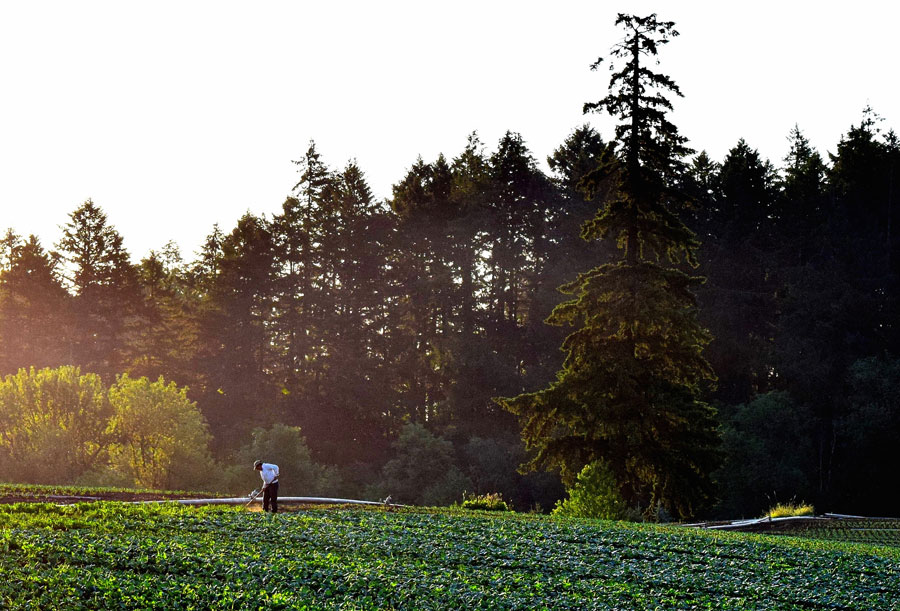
351	317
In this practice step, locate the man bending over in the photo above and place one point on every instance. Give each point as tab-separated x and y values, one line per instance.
269	474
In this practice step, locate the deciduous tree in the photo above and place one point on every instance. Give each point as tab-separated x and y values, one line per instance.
161	438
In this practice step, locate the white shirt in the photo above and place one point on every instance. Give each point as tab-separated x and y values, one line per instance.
268	473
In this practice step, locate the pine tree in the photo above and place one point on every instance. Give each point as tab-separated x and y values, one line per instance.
629	391
235	354
741	261
99	272
300	231
34	307
421	277
165	340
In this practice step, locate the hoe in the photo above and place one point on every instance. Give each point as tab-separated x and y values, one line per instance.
253	496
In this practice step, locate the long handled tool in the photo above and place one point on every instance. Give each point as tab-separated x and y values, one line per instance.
253	496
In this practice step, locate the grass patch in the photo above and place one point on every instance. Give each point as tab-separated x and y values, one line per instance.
790	510
485	502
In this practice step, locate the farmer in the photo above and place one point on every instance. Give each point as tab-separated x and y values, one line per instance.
269	474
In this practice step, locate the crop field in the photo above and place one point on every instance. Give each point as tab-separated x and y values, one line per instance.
30	493
854	530
120	556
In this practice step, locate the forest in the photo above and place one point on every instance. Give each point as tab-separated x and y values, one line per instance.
372	347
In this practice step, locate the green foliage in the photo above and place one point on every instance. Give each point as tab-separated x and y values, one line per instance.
767	452
881	531
866	434
116	556
286	447
734	209
595	495
163	341
34	330
235	359
491	463
161	438
629	390
99	272
39	491
59	426
492	501
52	425
349	316
423	470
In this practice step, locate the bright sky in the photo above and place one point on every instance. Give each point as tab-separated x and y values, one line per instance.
175	115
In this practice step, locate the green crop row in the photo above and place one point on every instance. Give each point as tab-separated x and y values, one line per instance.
39	491
110	555
876	532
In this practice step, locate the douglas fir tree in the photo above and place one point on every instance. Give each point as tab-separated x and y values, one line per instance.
628	395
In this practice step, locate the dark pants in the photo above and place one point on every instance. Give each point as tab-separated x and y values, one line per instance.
270	494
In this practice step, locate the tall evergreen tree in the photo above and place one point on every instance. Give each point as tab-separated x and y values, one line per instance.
467	230
165	341
301	230
473	362
422	282
804	206
235	355
34	307
340	421
629	391
862	178
99	272
840	301
738	217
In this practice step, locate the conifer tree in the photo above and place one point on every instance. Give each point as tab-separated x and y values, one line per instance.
629	391
34	307
98	270
741	261
165	340
235	356
300	231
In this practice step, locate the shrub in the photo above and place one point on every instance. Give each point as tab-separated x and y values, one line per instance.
595	495
422	471
486	502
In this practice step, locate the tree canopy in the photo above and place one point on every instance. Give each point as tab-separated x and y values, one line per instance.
352	319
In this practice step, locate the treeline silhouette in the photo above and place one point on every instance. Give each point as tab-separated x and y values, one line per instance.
354	318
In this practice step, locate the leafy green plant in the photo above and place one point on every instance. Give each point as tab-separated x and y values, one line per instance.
53	424
492	501
874	531
120	556
595	495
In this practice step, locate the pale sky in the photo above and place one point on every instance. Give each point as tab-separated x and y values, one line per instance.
173	116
